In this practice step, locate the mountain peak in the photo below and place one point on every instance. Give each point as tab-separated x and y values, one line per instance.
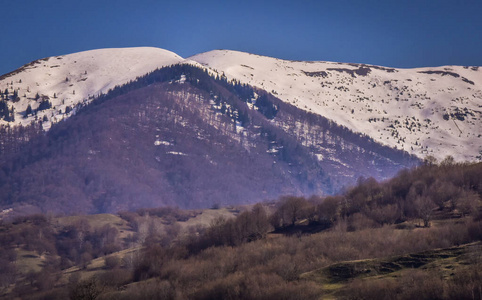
69	79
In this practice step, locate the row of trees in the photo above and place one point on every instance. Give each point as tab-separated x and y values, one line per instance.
445	189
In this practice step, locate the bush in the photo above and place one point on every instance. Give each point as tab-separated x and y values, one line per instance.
154	290
256	286
475	230
111	262
116	278
87	289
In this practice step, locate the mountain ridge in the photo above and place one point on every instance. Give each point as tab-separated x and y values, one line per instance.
441	102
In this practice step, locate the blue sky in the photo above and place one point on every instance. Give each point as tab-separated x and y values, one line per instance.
390	33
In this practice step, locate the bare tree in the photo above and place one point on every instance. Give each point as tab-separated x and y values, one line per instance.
261	222
424	207
291	209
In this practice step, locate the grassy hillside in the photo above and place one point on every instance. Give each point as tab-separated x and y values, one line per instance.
377	278
375	241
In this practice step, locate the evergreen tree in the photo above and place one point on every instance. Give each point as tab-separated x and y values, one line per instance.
3	110
15	95
11	116
28	111
45	104
6	113
266	107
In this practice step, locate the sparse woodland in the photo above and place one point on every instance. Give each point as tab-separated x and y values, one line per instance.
267	251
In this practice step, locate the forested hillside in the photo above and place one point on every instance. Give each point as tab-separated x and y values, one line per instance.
179	136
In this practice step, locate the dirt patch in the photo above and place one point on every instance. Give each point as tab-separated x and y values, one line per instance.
361	71
316	74
443	73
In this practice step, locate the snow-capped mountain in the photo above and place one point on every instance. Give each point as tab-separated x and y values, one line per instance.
424	111
70	79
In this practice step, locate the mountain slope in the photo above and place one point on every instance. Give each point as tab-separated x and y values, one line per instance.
178	136
424	111
70	79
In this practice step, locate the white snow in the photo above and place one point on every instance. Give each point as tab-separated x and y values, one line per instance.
368	104
73	78
165	143
176	153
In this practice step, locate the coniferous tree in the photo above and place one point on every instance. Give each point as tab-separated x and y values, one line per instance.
3	110
15	95
11	116
6	113
28	111
45	104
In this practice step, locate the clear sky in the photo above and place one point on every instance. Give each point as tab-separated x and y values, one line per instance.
408	33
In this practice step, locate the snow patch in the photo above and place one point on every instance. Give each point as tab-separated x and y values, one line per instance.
165	143
176	153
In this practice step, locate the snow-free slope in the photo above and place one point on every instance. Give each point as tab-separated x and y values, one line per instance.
70	79
425	111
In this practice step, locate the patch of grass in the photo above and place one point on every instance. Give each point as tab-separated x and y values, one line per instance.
29	261
98	220
96	266
207	216
335	277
